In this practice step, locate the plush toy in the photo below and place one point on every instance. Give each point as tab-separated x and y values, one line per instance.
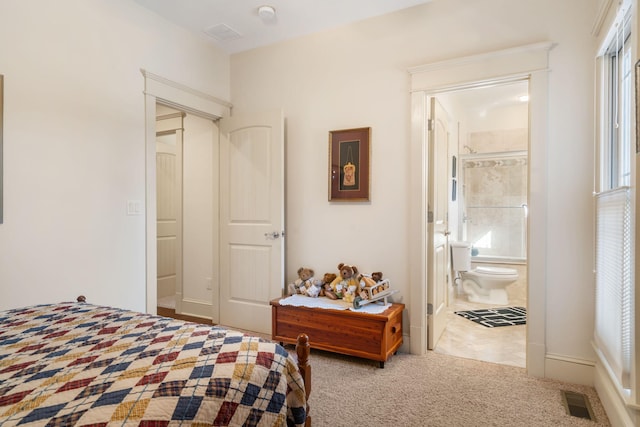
347	283
325	286
373	285
366	281
314	289
305	284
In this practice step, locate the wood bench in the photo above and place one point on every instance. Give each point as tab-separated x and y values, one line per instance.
370	336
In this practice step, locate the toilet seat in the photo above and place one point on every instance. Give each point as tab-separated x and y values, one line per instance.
495	271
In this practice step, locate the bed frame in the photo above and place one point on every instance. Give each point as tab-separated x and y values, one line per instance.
303	349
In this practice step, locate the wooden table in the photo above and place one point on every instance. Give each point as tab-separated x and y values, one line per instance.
370	336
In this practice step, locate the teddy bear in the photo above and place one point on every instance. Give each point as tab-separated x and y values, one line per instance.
346	284
305	284
325	286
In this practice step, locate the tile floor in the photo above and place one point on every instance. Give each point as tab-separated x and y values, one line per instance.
505	345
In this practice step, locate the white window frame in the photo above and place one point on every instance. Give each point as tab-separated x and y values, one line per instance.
615	213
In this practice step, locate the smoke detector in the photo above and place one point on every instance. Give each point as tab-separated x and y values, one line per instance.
267	13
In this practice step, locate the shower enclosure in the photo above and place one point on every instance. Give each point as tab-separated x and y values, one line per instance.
493	204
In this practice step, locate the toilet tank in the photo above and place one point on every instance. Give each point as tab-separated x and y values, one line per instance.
461	256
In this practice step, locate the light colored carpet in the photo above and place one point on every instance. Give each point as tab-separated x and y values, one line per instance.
437	390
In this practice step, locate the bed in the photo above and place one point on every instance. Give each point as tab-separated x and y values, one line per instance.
78	364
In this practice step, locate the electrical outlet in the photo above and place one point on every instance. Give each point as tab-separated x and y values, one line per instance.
208	283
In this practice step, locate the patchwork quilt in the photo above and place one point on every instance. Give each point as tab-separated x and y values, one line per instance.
77	364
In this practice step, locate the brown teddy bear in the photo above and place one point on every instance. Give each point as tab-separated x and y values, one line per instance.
346	284
325	286
305	284
376	276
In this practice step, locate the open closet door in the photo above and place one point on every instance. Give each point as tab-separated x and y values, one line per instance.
251	218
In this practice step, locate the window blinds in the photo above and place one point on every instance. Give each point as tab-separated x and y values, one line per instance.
614	291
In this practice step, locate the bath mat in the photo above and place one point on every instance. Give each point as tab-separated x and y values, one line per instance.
495	317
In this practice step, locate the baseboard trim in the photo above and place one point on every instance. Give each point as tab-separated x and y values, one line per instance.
617	411
535	360
169	312
568	369
195	308
406	344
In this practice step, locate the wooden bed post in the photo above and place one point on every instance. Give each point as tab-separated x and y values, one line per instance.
303	349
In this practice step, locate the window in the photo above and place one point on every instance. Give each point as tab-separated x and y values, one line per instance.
615	157
614	213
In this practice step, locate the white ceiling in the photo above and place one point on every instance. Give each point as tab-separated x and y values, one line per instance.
294	18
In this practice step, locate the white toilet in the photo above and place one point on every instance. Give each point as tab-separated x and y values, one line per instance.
482	284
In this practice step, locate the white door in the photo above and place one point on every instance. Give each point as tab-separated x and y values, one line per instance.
437	227
251	219
169	218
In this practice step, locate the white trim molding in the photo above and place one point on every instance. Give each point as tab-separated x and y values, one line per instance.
618	412
530	63
569	369
603	11
184	98
480	69
198	308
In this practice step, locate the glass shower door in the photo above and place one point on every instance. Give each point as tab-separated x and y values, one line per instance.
494	205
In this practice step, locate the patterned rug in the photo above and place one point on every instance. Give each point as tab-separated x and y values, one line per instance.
494	317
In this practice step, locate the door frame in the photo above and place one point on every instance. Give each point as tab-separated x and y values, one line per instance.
160	90
526	62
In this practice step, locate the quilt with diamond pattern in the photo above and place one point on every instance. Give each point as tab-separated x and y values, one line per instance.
77	364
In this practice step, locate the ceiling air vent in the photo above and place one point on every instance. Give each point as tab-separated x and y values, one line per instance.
222	32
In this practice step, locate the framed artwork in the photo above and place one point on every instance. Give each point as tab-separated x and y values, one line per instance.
349	164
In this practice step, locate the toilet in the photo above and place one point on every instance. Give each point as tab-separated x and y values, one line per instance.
482	284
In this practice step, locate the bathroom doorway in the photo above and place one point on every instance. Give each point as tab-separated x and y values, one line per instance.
488	207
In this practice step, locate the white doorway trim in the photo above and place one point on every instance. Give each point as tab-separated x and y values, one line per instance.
157	89
525	62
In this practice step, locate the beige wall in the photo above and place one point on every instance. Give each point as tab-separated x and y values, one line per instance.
74	143
357	76
74	140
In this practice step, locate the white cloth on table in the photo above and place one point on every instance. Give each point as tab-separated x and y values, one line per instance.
327	303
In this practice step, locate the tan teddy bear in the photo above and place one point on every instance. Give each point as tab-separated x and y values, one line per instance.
305	284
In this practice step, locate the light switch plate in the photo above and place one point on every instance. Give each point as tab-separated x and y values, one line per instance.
134	207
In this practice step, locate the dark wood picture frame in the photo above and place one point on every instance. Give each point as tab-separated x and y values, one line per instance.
349	164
